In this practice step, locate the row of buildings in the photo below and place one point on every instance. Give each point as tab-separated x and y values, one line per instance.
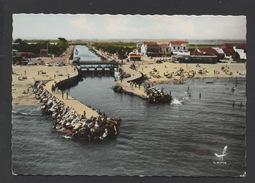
181	48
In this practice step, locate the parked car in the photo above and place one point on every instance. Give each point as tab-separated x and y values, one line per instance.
31	63
48	64
60	64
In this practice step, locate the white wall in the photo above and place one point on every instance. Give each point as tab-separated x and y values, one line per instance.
144	49
240	52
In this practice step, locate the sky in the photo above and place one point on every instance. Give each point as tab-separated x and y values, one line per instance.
88	26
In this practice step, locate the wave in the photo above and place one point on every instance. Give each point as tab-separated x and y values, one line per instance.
25	113
176	102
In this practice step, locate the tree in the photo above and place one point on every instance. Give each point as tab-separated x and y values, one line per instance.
18	41
62	44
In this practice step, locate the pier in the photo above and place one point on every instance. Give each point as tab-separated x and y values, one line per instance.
71	102
128	87
72	118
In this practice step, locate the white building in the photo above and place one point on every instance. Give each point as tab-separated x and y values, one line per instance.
241	51
150	49
179	46
143	49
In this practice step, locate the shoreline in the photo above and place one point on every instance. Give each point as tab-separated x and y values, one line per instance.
175	73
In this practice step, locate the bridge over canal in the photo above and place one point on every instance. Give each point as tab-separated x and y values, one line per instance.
97	68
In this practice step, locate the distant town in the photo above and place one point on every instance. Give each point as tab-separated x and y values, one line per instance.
184	51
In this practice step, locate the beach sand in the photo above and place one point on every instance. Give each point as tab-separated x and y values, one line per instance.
19	86
210	70
20	96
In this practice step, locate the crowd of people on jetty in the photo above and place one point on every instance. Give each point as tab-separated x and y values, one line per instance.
71	124
156	95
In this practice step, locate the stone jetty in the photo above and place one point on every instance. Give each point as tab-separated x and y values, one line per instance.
71	118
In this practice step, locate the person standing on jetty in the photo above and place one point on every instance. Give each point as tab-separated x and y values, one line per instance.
53	88
67	95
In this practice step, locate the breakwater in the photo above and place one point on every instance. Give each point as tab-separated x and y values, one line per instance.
131	85
72	118
69	121
68	82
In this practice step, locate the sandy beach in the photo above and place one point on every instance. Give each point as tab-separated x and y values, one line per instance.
157	73
24	76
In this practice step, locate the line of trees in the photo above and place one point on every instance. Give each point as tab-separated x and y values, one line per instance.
120	48
55	49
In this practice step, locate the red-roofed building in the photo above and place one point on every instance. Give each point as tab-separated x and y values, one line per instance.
240	49
231	45
44	52
26	54
234	50
240	46
179	46
228	51
164	49
150	49
208	52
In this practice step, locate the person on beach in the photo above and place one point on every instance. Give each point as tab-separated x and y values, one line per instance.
67	95
53	88
162	89
62	94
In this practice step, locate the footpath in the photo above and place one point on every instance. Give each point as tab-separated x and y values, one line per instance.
127	85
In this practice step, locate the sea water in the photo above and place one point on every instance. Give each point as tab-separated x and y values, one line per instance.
173	139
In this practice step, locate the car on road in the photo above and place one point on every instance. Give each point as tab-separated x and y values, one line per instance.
31	63
48	64
60	64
